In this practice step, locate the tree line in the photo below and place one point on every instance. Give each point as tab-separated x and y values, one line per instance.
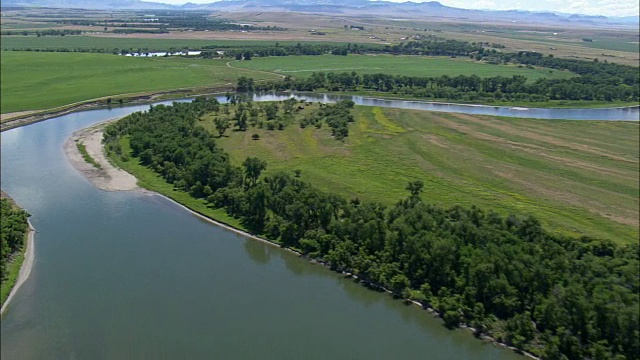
592	86
40	33
431	46
196	21
555	296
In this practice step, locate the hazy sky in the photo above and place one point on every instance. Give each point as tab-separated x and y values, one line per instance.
591	7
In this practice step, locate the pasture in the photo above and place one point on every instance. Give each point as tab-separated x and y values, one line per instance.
577	177
304	66
35	80
117	43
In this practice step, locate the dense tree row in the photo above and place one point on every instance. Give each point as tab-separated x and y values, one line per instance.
39	33
294	50
596	86
431	46
435	46
140	31
196	21
13	229
557	297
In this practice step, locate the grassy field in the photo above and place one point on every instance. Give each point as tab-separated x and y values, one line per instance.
632	47
577	177
32	80
304	66
110	43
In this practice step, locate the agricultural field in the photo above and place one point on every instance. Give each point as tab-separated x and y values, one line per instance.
614	45
304	66
108	44
577	177
35	80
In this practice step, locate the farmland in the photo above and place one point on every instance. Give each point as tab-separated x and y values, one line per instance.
109	44
304	66
32	80
573	181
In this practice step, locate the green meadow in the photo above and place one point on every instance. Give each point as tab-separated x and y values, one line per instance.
633	47
577	177
304	66
40	80
114	43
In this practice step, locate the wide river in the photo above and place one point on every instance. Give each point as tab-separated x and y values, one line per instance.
127	275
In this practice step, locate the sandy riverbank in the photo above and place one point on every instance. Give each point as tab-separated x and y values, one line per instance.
111	178
108	177
25	268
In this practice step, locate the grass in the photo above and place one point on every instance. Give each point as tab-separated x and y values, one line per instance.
304	66
577	177
20	42
614	45
85	155
33	80
12	271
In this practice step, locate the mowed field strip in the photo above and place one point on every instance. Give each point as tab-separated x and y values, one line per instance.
577	177
38	80
304	66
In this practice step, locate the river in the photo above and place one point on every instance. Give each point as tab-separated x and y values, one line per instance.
131	275
621	113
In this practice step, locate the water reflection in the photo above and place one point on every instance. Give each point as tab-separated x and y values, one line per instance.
626	113
257	251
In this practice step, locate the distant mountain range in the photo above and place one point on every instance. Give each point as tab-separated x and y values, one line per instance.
346	7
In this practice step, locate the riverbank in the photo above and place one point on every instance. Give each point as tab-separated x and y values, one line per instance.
13	120
26	264
106	176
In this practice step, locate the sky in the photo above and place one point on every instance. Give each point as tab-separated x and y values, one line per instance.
589	7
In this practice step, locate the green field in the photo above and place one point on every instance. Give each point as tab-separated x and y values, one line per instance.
304	66
633	47
110	43
34	80
577	177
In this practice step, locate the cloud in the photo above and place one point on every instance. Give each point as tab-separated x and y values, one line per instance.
587	7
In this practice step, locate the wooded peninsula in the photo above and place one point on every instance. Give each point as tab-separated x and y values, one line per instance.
553	296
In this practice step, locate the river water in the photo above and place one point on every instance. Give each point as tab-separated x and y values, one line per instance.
623	113
129	275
